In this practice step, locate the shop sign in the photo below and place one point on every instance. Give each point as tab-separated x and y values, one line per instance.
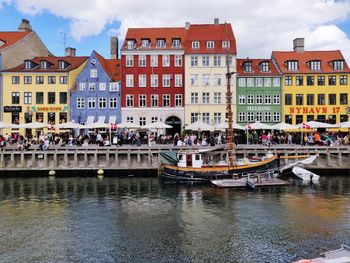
258	108
49	109
12	108
314	110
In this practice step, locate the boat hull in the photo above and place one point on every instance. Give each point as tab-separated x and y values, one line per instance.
208	173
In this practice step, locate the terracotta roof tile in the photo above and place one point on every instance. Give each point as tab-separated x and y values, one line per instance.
255	68
111	66
10	38
326	57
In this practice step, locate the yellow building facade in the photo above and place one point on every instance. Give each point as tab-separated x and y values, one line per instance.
38	91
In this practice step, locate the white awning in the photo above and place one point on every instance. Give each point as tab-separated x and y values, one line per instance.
90	119
101	119
112	119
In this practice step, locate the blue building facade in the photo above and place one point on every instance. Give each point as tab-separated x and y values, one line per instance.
96	95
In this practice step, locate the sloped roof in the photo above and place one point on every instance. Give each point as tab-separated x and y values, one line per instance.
9	38
111	66
73	62
256	71
326	57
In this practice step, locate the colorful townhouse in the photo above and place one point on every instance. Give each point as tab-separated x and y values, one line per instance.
315	84
207	48
259	91
38	90
153	76
96	96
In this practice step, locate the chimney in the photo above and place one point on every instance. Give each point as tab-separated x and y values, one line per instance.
216	21
187	25
298	44
70	52
114	47
24	26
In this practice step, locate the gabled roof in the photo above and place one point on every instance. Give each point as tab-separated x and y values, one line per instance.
73	62
256	71
326	57
10	38
111	67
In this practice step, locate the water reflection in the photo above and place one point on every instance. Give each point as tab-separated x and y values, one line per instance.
145	220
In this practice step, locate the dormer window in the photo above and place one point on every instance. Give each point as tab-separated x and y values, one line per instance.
2	43
130	44
248	66
338	64
264	66
210	44
27	64
44	64
160	43
292	65
145	43
176	43
225	44
195	44
315	65
62	64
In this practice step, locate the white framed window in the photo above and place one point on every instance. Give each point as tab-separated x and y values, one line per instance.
129	61
93	73
142	80
176	43
154	60
195	44
80	103
142	100
250	116
154	100
154	80
27	79
217	118
210	44
166	100
178	60
241	82
91	103
27	98
259	116
82	86
145	43
166	80
217	79
113	103
217	97
250	99
276	117
178	80
250	82
154	119
142	60
142	121
194	79
129	100
259	82
63	80
194	61
217	61
315	65
225	44
92	86
194	117
114	86
241	99
206	117
205	61
102	86
166	60
129	80
130	119
161	43
205	97
241	116
102	103
259	99
276	99
178	100
267	116
276	82
205	78
130	44
268	99
292	65
194	98
267	82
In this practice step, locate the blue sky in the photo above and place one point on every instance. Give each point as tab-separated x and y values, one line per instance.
260	26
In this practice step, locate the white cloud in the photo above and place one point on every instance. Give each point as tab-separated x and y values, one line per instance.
260	26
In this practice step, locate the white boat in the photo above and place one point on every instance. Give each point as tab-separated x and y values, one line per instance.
304	174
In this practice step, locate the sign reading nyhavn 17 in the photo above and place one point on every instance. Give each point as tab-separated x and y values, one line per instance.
12	108
314	110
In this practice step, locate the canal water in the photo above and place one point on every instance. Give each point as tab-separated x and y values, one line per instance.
145	220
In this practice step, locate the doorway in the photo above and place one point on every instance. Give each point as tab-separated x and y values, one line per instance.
176	123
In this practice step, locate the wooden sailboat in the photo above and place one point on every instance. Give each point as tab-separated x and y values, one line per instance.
189	165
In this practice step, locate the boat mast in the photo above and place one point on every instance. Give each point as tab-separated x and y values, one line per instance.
228	107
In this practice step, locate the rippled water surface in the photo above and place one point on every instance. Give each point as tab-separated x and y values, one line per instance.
144	220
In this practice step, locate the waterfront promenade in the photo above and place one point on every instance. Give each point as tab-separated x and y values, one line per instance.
145	158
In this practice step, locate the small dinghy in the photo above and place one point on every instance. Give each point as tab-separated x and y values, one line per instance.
304	174
250	184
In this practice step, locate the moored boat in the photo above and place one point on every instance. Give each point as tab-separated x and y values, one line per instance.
304	174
